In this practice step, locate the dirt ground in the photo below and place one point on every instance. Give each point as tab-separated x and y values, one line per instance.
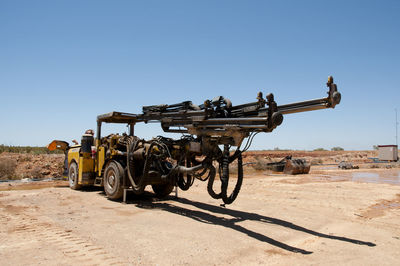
329	217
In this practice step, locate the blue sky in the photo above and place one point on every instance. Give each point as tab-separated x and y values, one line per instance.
64	62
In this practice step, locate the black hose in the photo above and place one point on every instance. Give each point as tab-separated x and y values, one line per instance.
137	187
235	155
185	184
199	175
211	178
225	180
224	176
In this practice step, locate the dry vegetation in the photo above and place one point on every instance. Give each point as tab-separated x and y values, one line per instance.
27	150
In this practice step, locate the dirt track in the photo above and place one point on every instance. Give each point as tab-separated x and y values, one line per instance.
312	219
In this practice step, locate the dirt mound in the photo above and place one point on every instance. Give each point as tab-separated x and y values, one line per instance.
315	157
35	166
38	166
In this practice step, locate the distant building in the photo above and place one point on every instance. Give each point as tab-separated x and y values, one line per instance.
388	152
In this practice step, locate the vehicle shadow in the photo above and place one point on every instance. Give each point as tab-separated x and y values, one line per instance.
238	216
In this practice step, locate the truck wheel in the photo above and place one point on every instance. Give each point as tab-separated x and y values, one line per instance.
162	190
73	176
113	175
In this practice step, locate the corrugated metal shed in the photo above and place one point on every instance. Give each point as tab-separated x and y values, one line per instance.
388	152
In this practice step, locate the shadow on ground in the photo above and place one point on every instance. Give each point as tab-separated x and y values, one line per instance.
207	214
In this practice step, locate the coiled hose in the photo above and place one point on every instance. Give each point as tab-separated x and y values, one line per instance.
185	184
137	185
224	177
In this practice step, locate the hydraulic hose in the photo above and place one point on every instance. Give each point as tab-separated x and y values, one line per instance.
185	184
137	187
179	169
211	178
225	179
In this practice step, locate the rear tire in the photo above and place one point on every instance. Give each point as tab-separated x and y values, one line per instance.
73	174
162	190
113	176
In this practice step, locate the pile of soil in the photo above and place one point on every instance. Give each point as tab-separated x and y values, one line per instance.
314	157
33	166
41	166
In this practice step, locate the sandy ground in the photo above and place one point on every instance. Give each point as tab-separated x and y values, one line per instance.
328	217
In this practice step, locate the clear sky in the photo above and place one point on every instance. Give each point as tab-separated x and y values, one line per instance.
64	62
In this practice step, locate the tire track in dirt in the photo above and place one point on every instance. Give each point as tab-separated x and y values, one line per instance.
74	248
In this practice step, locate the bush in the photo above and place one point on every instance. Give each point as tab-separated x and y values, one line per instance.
7	168
319	149
27	149
337	149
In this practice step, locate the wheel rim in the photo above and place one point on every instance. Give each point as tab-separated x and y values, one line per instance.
110	179
72	176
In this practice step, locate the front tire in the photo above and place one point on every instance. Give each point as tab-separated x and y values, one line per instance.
73	174
113	175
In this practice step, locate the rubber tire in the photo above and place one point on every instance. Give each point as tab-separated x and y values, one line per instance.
73	174
163	190
113	191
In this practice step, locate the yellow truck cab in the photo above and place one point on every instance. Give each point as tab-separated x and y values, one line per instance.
100	161
79	161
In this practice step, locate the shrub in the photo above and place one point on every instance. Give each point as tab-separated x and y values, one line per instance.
27	149
7	168
319	149
337	149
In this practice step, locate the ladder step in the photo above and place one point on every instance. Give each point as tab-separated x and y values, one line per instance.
98	181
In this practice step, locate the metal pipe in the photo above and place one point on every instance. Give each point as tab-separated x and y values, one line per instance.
98	133
131	129
187	170
180	169
302	109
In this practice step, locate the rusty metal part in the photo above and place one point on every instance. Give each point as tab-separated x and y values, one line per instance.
290	166
296	166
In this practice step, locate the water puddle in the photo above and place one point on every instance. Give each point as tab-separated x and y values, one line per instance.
328	168
390	205
27	180
392	178
384	177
